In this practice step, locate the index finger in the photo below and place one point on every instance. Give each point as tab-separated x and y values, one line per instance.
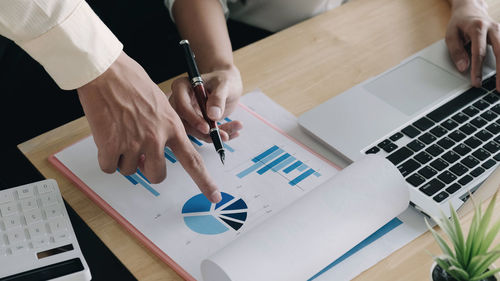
494	38
192	162
478	52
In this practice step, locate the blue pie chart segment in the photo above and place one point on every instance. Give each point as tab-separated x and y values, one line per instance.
200	217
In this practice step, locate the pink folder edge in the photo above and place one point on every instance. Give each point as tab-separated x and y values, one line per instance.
134	231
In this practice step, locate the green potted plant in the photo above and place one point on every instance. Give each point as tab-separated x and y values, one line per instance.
468	258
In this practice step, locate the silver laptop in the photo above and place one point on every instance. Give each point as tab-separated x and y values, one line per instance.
424	116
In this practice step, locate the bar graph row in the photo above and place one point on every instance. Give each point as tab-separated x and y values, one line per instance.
139	178
275	159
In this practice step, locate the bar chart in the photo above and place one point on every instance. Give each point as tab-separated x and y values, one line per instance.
276	159
139	178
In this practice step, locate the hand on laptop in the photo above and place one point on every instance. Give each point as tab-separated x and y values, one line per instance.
470	23
224	90
132	121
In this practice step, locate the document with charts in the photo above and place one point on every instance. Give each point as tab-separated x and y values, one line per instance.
265	171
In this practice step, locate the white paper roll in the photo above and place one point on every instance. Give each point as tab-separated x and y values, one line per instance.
315	230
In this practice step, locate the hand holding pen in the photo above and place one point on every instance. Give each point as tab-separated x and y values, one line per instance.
223	87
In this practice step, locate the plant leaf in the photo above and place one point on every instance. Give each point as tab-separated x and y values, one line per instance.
484	262
485	275
460	273
459	243
441	242
483	225
472	233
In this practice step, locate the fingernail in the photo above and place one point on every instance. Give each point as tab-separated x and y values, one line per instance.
214	112
215	197
478	81
461	65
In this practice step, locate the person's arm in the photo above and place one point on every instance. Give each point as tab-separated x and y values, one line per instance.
202	22
130	117
470	23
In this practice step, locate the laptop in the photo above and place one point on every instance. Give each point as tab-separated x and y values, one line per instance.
422	115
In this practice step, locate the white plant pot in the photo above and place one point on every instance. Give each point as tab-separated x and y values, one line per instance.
497	275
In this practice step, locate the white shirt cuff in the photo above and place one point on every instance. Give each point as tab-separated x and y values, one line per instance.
77	50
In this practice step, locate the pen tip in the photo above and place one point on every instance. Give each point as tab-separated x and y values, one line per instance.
222	156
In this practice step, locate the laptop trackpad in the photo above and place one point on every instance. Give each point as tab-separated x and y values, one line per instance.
414	85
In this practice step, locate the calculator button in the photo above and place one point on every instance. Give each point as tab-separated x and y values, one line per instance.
19	249
48	199
37	229
3	252
8	208
33	216
28	204
44	187
6	196
15	236
40	242
57	225
12	222
25	192
61	237
53	211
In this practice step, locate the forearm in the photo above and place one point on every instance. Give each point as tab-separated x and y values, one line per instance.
202	22
459	3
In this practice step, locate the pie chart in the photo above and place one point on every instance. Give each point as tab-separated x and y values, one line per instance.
205	217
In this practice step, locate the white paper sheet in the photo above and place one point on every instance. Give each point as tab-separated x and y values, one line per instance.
304	237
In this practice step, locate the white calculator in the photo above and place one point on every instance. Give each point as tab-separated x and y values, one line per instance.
37	241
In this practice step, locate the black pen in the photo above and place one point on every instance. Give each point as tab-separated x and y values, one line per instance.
201	97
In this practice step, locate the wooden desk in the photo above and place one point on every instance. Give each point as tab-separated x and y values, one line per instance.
299	68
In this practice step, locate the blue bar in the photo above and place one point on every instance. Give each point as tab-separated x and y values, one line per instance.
317	174
272	164
195	140
145	185
226	146
302	167
301	177
370	239
283	164
170	155
140	174
292	167
228	119
265	153
131	179
260	163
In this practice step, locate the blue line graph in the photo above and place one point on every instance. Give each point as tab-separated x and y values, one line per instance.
195	140
276	159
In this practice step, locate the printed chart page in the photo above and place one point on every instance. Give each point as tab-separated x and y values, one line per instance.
264	172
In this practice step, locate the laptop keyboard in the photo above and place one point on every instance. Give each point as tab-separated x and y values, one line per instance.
451	145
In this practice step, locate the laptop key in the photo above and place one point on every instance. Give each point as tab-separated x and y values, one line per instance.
427	172
481	104
484	135
467	129
471	111
489	115
373	150
481	154
438	131
400	155
415	180
432	187
497	157
446	142
447	177
460	117
423	123
489	84
390	147
449	124
439	164
496	108
384	143
478	122
459	169
492	147
434	150
440	197
411	131
396	136
477	172
488	164
453	188
416	145
462	149
493	128
423	157
408	167
473	142
457	135
470	161
451	156
427	138
465	180
491	98
455	104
